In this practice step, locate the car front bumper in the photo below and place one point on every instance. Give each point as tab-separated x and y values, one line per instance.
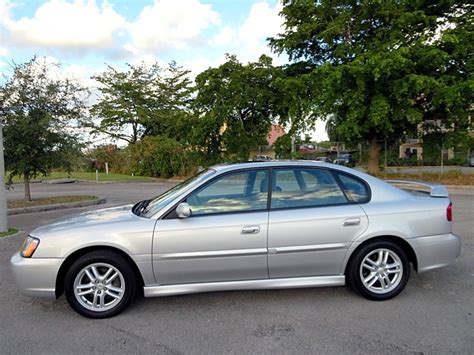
35	276
433	252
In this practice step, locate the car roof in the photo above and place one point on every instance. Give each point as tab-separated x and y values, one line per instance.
272	164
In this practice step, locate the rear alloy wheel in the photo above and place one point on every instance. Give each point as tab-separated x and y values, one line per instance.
100	284
379	271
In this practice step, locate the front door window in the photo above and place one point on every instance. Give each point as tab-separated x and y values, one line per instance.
238	192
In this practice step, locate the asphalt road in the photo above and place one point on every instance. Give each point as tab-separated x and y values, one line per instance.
433	315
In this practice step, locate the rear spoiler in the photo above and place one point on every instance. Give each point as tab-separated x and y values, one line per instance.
435	189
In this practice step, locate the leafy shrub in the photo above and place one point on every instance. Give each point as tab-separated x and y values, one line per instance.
117	159
458	160
160	156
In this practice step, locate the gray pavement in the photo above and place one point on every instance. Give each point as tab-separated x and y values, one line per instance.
433	315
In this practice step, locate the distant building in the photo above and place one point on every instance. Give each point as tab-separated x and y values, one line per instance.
268	151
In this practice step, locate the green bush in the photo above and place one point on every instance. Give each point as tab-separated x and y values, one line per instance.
117	158
458	160
161	157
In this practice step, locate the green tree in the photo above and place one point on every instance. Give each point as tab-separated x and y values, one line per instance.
161	157
40	114
172	106
236	104
144	100
381	68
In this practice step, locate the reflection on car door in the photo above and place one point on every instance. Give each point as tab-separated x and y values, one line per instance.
226	237
311	223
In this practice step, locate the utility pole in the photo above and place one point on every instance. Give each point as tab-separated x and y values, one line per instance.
3	193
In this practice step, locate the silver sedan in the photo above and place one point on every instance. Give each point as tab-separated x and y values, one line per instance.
260	225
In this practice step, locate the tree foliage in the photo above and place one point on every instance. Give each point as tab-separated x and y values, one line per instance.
236	104
40	114
381	68
161	157
144	100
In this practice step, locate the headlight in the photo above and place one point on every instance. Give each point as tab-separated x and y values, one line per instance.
29	247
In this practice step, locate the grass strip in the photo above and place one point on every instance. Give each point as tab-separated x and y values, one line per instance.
58	175
43	201
10	231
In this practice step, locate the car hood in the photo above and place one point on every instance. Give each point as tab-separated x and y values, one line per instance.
87	220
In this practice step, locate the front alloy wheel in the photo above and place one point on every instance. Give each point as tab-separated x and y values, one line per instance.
99	287
100	284
379	270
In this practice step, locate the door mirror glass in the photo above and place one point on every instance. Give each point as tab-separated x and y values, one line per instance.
183	210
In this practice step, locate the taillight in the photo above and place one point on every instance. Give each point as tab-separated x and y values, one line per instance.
449	212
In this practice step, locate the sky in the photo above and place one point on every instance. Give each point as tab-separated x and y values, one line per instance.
86	35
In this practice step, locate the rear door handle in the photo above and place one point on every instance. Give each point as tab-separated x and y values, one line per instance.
250	230
351	222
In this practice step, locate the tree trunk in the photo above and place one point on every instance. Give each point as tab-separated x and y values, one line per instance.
374	156
27	188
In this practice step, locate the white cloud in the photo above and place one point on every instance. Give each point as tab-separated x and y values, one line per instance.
148	59
5	6
170	24
60	24
4	51
263	22
249	40
225	36
188	27
200	63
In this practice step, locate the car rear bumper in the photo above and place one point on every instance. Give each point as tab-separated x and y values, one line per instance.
35	276
433	252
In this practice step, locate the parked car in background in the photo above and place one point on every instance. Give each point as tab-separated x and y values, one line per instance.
261	225
307	148
323	159
345	159
471	160
262	158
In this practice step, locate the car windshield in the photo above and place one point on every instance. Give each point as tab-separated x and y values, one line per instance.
162	200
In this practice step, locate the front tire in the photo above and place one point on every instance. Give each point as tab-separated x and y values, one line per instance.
379	270
100	284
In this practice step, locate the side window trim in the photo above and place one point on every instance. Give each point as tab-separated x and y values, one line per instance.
171	212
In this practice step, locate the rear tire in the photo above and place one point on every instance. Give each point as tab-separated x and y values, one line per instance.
100	284
379	270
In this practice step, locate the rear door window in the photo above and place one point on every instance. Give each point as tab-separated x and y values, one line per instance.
299	187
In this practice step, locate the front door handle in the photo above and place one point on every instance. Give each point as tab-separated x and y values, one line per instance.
250	230
351	222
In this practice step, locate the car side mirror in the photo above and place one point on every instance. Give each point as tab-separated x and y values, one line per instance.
183	210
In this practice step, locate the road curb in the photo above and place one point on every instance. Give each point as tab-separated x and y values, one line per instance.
59	206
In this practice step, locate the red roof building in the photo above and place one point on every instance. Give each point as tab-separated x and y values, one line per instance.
275	133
